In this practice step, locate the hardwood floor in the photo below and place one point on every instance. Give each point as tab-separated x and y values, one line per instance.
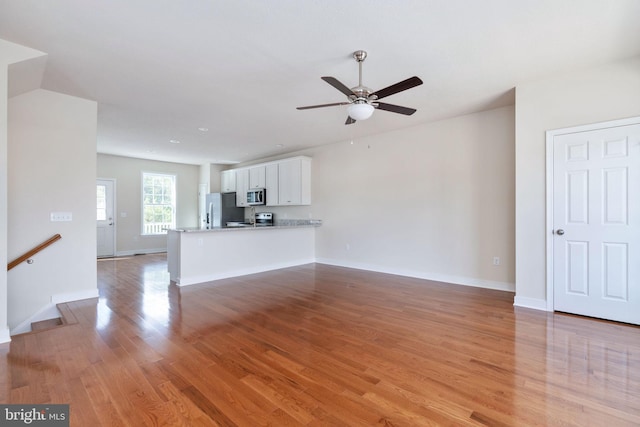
318	345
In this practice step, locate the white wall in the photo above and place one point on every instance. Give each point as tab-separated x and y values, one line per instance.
434	201
52	167
589	96
128	175
214	177
10	53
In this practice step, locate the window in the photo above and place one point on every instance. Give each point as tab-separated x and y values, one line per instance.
102	202
158	203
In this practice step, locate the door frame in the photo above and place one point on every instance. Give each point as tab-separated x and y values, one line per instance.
549	230
115	223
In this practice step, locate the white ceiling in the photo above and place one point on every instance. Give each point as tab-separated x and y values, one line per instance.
161	69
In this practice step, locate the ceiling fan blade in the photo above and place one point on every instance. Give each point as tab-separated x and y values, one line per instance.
396	108
338	85
398	87
349	121
322	105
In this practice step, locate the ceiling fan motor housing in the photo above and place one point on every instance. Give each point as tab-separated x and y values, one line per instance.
362	93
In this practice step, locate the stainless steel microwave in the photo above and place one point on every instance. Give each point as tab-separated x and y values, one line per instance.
256	196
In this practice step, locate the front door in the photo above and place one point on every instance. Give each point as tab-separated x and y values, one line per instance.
105	218
596	221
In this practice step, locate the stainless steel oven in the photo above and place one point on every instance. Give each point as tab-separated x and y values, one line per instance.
264	219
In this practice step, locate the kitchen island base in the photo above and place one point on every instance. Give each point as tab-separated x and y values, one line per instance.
198	256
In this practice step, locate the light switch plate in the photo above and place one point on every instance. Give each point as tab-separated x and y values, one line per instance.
61	216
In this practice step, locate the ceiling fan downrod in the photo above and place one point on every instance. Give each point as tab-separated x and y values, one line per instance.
360	56
362	92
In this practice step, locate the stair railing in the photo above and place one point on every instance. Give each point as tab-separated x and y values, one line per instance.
33	251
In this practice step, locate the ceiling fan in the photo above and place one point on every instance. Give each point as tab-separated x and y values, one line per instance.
362	100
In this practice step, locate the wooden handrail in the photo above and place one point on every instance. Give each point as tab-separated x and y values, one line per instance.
33	251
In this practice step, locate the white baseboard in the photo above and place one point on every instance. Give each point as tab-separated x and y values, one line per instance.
75	296
50	311
5	335
186	281
141	252
457	280
534	303
47	312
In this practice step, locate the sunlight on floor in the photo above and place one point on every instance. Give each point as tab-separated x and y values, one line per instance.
155	298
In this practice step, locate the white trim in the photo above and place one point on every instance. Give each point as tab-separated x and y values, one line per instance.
141	252
456	280
75	296
5	336
596	126
534	303
549	220
49	311
115	212
193	280
550	136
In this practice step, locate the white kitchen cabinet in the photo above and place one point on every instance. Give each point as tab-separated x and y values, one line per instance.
257	177
242	185
294	181
271	184
228	181
287	181
246	179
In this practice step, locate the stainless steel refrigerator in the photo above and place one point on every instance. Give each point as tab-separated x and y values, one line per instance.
221	208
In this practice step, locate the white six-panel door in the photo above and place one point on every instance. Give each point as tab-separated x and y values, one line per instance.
596	223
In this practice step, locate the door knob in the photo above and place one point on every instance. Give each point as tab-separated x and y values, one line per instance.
560	232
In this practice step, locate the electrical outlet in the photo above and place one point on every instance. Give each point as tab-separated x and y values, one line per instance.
496	260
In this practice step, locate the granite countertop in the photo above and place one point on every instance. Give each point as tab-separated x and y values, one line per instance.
279	224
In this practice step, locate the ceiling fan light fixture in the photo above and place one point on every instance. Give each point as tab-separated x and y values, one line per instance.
360	110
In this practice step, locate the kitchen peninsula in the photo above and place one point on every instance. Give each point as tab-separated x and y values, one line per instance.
201	255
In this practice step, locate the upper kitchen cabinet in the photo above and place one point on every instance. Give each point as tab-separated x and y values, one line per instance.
246	179
294	181
257	177
271	172
287	181
242	186
228	181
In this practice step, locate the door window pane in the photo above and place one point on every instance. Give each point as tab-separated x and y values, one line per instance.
102	202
